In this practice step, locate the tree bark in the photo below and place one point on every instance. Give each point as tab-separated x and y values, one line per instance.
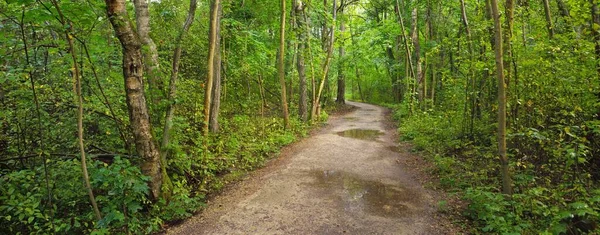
212	51
300	63
506	179
133	71
149	51
215	107
281	67
341	81
417	53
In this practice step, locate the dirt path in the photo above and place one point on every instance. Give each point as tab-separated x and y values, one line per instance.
349	178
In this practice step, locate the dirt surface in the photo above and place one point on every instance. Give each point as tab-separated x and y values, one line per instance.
349	178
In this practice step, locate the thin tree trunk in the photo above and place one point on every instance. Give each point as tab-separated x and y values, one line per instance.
133	71
549	24
341	81
509	9
79	100
212	41
506	179
216	94
315	107
263	101
410	69
38	115
281	67
164	146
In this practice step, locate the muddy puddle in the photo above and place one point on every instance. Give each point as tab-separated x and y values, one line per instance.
359	195
361	134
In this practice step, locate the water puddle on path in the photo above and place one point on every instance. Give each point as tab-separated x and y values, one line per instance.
359	195
361	134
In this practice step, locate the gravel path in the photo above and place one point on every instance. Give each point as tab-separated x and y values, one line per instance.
349	178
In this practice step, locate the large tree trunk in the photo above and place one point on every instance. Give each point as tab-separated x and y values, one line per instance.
341	81
150	53
212	51
215	107
417	53
506	179
300	64
133	71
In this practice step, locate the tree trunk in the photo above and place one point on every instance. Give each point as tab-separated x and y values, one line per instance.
596	36
510	18
300	64
417	53
409	68
506	179
549	24
281	67
315	107
76	75
216	94
212	51
164	146
133	71
149	51
341	81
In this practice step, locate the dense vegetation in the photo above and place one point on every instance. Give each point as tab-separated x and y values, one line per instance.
118	117
448	104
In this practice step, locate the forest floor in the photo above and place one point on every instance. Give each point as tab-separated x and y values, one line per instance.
349	177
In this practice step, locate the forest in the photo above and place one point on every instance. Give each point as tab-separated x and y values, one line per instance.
120	117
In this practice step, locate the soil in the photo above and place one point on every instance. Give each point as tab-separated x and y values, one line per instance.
350	177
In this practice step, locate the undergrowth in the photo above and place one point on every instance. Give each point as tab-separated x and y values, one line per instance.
555	190
198	166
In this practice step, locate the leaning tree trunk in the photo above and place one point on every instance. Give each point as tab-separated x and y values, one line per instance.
215	107
133	71
171	96
281	67
76	75
506	180
315	106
